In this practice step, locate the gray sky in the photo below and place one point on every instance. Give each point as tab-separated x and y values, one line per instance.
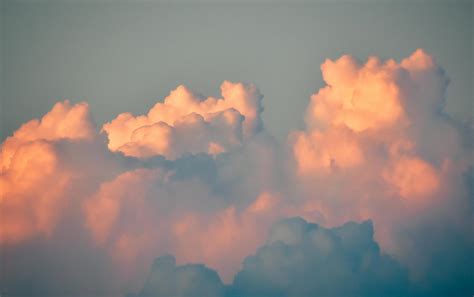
126	56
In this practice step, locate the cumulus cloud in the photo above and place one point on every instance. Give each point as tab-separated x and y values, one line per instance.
371	127
248	225
133	215
339	261
167	279
64	121
201	179
298	259
32	178
170	214
377	145
186	123
382	104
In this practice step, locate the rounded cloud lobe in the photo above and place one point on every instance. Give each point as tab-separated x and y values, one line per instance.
185	123
338	261
202	180
377	145
371	129
32	180
167	279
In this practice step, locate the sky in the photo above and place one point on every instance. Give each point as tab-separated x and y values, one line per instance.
240	149
125	56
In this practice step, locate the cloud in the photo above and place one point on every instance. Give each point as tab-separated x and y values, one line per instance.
353	95
64	121
305	259
412	178
338	261
371	129
179	216
185	123
176	205
382	104
249	226
298	259
377	145
32	179
195	169
167	279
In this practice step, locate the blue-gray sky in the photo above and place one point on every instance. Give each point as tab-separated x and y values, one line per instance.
124	56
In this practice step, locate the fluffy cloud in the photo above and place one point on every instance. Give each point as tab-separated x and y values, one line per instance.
170	214
298	259
378	105
372	128
185	123
166	279
249	226
194	170
64	121
339	261
176	205
133	216
343	260
378	146
32	178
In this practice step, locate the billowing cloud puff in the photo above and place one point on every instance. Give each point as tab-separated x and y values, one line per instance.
174	215
377	95
249	225
132	216
185	123
303	259
412	178
371	128
166	279
359	98
298	259
64	121
176	205
32	178
158	184
378	105
377	145
323	152
31	190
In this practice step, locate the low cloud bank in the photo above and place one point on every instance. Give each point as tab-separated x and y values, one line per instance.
298	259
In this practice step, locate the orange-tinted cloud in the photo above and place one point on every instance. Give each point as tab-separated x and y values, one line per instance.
364	119
370	148
234	234
316	151
413	177
358	97
32	179
186	123
64	121
139	215
126	193
368	152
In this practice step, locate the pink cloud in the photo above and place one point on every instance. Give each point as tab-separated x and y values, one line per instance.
186	123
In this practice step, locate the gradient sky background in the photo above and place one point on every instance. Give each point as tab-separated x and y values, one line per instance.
124	56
